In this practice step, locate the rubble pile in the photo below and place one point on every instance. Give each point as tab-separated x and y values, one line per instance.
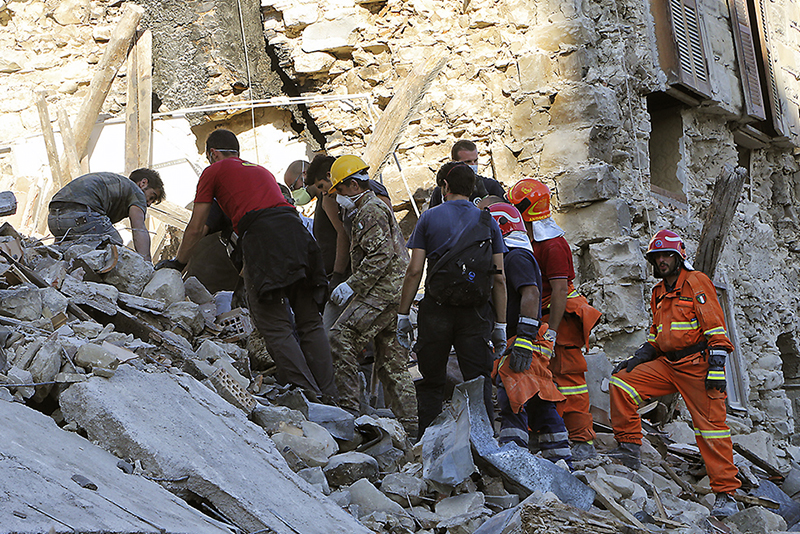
174	389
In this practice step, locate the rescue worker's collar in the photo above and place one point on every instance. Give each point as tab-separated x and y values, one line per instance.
678	282
518	239
546	229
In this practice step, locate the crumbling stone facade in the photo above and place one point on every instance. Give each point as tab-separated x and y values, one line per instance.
572	92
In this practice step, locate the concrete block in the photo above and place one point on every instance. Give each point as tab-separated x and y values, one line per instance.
187	315
166	285
181	429
618	259
460	505
53	302
680	432
44	367
590	183
225	363
92	355
344	469
761	443
314	448
757	520
403	488
340	423
277	419
597	222
22	302
329	35
102	297
623	304
131	272
369	500
16	375
196	291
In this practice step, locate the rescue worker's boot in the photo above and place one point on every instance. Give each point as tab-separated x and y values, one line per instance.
583	450
629	453
724	505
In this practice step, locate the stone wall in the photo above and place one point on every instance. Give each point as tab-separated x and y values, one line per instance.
558	90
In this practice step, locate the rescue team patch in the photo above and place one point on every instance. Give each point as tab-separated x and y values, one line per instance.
701	298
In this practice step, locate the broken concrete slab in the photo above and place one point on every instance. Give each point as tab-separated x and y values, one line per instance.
44	367
166	285
16	375
757	520
403	488
446	452
22	302
39	493
789	509
181	430
517	466
369	499
187	315
460	505
313	448
316	477
141	303
102	297
277	419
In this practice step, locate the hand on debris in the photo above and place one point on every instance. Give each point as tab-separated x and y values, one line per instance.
715	379
341	294
645	353
499	338
170	264
405	332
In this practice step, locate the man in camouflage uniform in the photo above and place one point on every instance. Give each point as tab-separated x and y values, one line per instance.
371	293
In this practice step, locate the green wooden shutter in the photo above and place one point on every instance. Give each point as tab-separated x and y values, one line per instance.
746	56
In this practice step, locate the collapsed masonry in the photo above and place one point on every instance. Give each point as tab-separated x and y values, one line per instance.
176	393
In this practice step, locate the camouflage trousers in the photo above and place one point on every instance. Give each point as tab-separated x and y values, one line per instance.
364	319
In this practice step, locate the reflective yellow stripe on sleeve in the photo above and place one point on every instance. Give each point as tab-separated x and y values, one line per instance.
716	331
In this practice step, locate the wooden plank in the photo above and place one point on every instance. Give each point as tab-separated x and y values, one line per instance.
144	73
615	508
718	217
49	137
170	213
407	95
132	115
73	167
114	54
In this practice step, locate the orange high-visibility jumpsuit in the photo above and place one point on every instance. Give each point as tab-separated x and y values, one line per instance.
683	318
569	365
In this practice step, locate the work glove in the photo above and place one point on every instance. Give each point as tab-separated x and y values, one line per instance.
499	338
341	294
405	332
715	379
551	336
645	353
522	350
170	264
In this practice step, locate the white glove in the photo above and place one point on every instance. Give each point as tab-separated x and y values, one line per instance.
499	338
550	335
341	294
405	332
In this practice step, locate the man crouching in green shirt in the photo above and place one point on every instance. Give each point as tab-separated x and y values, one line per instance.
91	204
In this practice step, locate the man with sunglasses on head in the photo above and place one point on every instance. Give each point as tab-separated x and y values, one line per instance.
281	262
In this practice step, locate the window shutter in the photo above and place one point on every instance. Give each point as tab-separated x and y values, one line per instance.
771	85
746	55
682	56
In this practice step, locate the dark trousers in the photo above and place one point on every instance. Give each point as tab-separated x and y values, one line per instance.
73	221
303	360
541	418
469	330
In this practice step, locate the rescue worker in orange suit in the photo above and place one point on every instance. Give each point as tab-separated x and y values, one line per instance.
685	352
526	393
569	314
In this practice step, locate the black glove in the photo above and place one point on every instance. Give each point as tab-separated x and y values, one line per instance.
522	350
645	353
170	264
715	379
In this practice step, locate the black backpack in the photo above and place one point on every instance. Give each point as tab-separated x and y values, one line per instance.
463	275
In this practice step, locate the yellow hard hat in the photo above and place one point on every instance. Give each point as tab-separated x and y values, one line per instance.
343	167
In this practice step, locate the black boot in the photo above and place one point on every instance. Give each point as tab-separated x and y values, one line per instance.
629	453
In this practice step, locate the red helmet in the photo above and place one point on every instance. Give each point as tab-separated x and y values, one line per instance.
532	198
666	241
508	218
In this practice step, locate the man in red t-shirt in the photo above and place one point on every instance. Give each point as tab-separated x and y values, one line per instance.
568	312
282	265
